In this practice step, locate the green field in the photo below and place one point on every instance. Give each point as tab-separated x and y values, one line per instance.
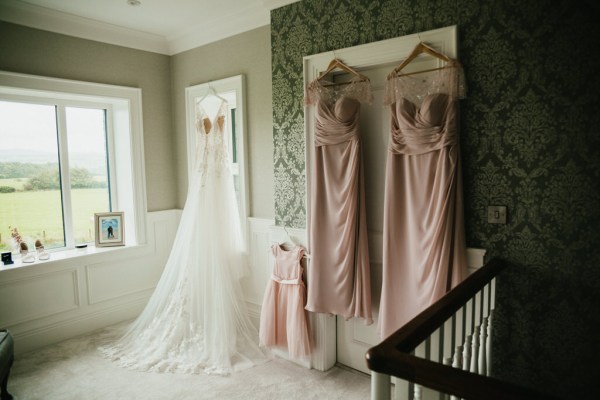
37	215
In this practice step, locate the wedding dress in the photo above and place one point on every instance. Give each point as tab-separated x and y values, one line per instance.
196	319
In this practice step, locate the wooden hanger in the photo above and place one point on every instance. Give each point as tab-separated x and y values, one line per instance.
419	49
336	63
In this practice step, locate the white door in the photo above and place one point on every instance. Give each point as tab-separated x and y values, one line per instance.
353	338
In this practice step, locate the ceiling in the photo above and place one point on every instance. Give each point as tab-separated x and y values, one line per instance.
161	26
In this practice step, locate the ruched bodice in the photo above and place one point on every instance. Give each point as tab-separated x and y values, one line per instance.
418	130
338	122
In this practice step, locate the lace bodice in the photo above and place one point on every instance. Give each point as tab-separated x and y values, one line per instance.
211	144
359	90
449	80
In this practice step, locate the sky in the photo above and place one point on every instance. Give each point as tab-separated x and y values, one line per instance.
33	127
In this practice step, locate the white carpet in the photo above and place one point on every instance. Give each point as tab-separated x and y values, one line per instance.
74	369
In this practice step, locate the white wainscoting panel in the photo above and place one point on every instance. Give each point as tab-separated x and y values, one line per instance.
26	299
54	300
259	261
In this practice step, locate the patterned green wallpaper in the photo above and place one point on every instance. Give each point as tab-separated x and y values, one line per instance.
530	140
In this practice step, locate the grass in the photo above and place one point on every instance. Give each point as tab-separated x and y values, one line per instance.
38	215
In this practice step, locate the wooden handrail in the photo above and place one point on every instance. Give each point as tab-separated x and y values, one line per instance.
392	356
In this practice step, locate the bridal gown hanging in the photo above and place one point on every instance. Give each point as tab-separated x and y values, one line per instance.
424	252
196	319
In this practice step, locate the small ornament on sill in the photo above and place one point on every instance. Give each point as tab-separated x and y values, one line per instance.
16	239
7	258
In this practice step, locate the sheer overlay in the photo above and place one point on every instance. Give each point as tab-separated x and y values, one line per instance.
196	319
328	92
449	80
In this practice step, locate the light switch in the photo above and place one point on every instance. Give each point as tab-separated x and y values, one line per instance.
497	214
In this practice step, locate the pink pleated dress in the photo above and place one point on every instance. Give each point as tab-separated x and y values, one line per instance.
338	278
424	251
283	319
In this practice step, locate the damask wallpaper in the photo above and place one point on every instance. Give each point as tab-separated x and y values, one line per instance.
530	140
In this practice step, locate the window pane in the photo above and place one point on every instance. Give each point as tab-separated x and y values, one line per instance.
86	133
30	198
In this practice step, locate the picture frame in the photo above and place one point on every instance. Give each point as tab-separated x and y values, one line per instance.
109	230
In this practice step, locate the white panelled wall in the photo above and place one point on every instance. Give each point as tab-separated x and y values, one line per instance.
46	302
50	301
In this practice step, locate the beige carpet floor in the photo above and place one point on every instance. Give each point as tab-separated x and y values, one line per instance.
75	370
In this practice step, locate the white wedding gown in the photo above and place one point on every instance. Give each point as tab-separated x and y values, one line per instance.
196	320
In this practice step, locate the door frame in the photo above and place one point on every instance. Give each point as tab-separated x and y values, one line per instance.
386	52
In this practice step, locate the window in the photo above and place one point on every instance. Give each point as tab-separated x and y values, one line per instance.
68	150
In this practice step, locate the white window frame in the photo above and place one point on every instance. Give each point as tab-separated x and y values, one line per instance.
125	138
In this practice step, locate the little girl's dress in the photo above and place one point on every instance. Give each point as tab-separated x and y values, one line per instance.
283	321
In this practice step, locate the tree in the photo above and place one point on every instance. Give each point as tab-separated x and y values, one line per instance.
22	170
81	178
7	189
47	180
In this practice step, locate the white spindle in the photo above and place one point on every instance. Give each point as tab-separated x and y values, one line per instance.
486	301
458	356
488	344
401	389
380	386
449	336
417	392
436	345
493	294
483	347
474	350
470	313
421	351
478	312
459	327
466	356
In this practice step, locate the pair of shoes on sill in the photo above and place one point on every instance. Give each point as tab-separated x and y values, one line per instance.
28	257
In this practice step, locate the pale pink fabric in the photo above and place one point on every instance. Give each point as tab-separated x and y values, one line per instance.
424	252
339	274
283	321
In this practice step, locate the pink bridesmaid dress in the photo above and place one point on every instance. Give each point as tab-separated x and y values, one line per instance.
283	320
338	277
424	251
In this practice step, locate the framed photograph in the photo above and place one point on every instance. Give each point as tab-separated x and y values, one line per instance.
109	229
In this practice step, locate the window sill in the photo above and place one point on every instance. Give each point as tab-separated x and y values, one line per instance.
88	255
